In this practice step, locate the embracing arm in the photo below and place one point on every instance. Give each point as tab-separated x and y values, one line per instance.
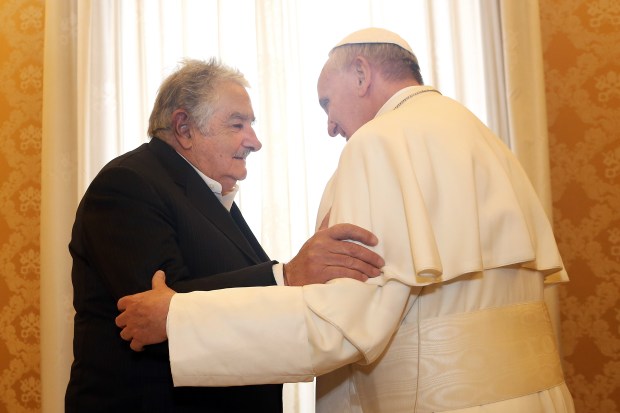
290	334
266	335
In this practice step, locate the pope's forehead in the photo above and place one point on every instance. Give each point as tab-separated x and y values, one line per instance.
328	73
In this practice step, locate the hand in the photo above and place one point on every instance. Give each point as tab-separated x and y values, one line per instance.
326	255
143	315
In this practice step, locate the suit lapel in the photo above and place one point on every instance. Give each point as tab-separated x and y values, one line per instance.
247	232
203	199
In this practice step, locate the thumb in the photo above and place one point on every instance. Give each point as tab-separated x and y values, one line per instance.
159	279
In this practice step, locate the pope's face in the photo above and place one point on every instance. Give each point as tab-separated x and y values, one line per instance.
340	99
220	153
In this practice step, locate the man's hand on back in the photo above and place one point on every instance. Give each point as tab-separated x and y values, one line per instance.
329	254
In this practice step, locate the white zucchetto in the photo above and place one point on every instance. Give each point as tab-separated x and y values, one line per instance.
375	35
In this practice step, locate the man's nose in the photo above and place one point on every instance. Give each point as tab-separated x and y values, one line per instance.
253	143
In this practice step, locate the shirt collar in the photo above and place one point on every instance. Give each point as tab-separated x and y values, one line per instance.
215	187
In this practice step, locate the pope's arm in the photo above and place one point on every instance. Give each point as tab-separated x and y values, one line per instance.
279	334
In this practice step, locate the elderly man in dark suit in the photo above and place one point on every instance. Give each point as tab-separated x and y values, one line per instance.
169	205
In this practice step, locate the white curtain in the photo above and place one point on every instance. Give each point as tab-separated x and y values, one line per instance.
59	192
104	60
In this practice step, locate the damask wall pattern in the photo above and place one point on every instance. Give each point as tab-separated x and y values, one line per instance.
21	78
581	47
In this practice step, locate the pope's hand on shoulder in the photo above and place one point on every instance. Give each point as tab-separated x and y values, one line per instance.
143	316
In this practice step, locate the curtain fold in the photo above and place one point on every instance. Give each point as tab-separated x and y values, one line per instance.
105	59
59	194
525	103
525	92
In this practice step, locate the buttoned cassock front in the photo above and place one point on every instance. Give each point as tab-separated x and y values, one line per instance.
462	233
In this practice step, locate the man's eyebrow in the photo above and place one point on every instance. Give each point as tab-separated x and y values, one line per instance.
236	116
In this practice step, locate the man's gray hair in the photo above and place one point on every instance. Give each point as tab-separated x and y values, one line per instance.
394	61
194	88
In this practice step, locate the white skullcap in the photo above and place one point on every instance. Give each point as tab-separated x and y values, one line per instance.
375	35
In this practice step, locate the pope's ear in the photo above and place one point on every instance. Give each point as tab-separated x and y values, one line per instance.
363	74
181	128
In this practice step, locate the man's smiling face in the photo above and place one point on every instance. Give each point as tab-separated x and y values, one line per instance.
221	151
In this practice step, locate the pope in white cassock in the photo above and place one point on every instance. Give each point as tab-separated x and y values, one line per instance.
456	322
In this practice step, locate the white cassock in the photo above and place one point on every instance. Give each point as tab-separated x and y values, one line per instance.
457	319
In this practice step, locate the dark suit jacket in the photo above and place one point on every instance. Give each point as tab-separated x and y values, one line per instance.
146	210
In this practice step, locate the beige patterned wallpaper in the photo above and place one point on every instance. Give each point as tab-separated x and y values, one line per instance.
21	77
581	46
582	68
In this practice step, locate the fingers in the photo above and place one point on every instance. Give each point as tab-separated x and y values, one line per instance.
349	254
159	280
126	301
120	320
354	233
141	314
329	254
346	255
136	345
126	335
350	264
122	303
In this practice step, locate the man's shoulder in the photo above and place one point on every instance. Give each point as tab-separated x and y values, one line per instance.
134	156
140	165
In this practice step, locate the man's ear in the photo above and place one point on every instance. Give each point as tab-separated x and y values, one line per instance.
362	71
181	128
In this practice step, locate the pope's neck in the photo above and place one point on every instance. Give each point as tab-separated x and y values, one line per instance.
386	89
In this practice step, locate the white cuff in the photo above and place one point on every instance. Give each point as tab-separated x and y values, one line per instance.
278	273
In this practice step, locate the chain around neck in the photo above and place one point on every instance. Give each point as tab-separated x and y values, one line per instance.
414	94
